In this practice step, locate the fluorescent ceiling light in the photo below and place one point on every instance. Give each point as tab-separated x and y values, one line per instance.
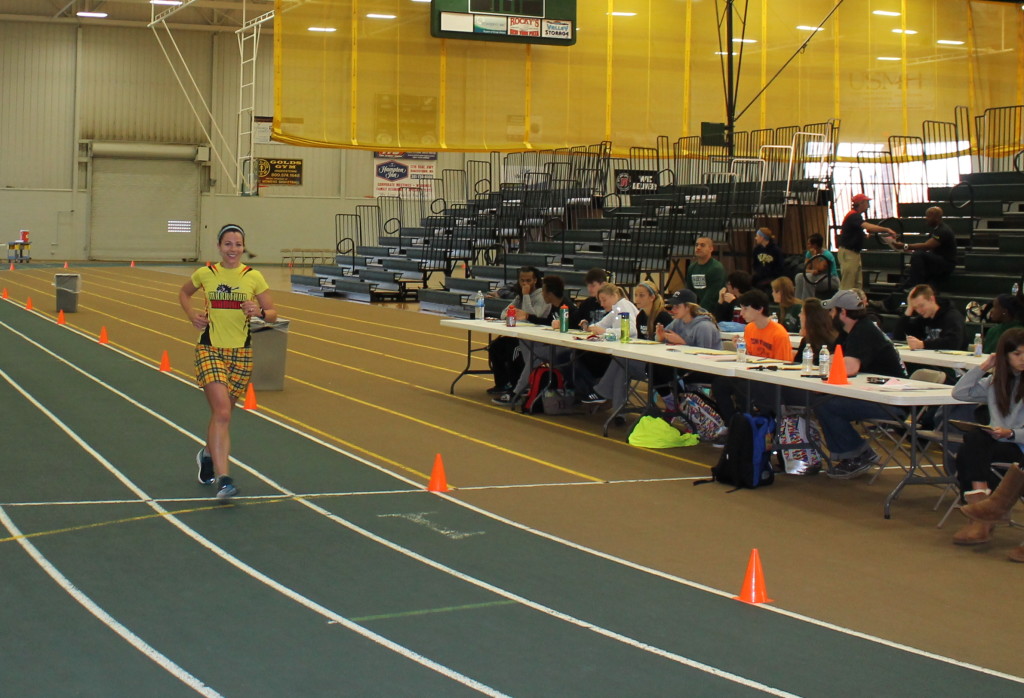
723	53
805	28
950	42
622	14
322	29
886	13
745	41
421	0
376	16
99	15
904	31
887	58
164	2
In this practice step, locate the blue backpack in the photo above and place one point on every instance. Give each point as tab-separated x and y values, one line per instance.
745	458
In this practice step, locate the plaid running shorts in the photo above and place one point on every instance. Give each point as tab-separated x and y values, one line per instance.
232	367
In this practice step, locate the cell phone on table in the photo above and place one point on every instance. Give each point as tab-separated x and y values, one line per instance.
878	380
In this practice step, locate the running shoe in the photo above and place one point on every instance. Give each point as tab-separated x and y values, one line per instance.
593	399
503	399
226	488
205	462
849	468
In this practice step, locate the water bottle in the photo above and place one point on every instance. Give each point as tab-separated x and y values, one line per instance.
1015	291
775	317
563	319
741	349
977	344
510	316
824	362
624	327
808	366
478	306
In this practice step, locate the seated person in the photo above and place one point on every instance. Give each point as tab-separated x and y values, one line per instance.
865	349
533	353
764	337
820	274
788	304
1007	312
768	260
590	307
692	326
502	353
705	275
816	330
590	366
614	384
930	322
728	309
997	384
932	261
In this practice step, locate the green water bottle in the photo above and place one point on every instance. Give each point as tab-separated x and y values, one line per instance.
563	319
623	327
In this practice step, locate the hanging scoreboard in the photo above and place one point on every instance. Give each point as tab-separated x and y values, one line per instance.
550	22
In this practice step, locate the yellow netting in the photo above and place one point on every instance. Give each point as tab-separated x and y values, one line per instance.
387	84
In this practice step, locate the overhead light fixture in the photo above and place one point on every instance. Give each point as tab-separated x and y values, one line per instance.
904	31
164	2
97	15
421	0
322	29
744	41
885	13
887	58
805	28
723	53
376	16
622	14
949	42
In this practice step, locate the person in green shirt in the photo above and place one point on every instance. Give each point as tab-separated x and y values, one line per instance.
1007	312
705	275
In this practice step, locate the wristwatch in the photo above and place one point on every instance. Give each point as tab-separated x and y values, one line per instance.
906	247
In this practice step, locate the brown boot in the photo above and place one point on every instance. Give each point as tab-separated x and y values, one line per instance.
997	507
975	532
1017	554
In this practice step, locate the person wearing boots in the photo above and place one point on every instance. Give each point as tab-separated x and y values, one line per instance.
996	383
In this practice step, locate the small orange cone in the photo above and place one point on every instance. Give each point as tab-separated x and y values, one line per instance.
837	370
65	265
133	264
165	362
250	398
438	482
5	296
103	335
60	318
28	304
753	590
12	266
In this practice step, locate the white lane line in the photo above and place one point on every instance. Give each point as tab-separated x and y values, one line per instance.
547	610
247	569
108	620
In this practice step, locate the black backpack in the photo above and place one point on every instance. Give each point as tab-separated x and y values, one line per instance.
745	458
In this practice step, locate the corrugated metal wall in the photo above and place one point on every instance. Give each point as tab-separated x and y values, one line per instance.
37	105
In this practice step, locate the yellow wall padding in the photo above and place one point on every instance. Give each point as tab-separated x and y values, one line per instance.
387	84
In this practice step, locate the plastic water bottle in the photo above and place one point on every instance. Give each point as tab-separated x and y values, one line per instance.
510	316
741	349
1015	291
824	362
808	366
977	344
563	319
478	306
775	317
624	327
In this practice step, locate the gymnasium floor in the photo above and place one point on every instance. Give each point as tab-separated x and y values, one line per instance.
562	564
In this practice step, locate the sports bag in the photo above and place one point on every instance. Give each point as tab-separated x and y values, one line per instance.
799	446
745	458
546	392
701	414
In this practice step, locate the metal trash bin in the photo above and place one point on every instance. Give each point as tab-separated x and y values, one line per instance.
68	288
269	349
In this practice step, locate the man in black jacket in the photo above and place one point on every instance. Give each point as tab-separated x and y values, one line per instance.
930	322
931	261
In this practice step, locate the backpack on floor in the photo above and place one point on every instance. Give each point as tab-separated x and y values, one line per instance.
745	458
546	392
799	446
701	414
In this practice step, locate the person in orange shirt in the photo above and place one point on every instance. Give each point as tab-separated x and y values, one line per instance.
765	338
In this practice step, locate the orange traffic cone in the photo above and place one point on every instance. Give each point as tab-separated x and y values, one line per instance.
438	482
103	335
65	265
250	398
753	590
837	370
165	362
4	295
28	304
60	318
133	264
12	266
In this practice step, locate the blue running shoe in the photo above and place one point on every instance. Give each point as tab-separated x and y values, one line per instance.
226	489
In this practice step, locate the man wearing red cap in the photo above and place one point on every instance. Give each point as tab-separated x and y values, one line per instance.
851	242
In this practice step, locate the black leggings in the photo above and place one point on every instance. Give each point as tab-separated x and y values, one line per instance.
975	458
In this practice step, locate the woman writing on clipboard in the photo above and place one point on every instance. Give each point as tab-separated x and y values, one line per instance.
997	383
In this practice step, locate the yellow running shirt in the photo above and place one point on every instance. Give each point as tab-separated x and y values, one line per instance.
226	290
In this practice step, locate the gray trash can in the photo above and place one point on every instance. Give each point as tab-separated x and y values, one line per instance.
68	288
269	348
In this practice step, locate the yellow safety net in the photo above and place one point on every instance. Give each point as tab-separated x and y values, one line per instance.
639	69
